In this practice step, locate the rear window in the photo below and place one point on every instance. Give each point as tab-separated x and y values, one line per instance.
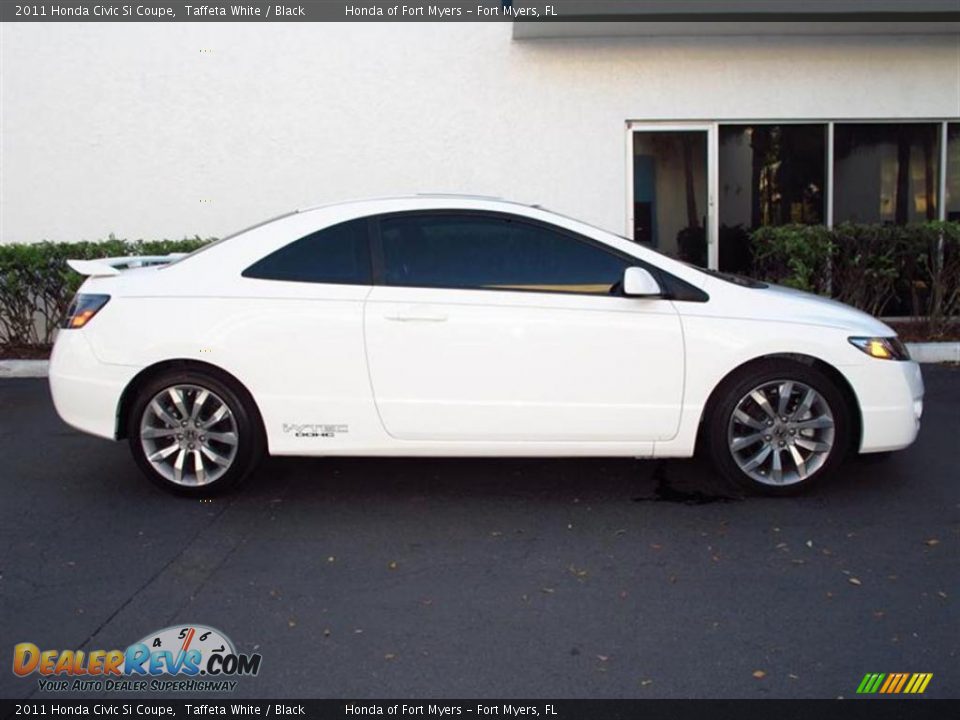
339	254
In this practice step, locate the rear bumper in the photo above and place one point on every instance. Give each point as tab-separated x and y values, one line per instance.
891	403
86	392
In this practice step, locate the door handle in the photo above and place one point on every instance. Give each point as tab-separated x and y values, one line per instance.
415	315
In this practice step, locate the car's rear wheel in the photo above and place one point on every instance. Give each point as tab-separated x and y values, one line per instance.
193	434
778	427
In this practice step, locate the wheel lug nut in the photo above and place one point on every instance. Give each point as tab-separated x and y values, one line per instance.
782	444
203	438
190	446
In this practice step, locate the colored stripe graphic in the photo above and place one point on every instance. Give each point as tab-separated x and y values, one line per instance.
891	680
903	680
894	683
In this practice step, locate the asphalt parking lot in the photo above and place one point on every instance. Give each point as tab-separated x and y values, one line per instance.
361	578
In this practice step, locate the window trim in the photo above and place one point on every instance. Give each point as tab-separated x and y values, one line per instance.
668	282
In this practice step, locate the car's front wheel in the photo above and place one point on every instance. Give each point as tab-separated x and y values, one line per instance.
777	427
193	434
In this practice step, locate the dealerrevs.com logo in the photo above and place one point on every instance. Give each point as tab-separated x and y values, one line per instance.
180	658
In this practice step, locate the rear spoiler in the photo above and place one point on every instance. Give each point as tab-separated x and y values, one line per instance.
112	265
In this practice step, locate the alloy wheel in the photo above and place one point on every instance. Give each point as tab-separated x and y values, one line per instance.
189	435
781	432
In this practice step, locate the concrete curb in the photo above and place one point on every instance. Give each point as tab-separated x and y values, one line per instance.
935	352
932	352
24	368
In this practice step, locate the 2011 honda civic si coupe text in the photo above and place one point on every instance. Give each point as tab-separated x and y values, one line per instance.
464	326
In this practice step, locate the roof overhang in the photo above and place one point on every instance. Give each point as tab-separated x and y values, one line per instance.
606	18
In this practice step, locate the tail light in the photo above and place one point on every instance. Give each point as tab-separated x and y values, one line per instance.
82	310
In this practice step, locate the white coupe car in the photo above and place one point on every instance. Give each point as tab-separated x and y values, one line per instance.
464	326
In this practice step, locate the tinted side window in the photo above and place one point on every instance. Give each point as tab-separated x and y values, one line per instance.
337	254
467	251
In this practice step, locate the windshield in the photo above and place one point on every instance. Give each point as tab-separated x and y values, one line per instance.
726	277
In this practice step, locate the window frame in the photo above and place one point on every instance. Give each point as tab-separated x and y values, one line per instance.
712	127
379	269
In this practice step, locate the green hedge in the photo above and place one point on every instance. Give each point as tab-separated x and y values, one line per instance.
36	285
913	269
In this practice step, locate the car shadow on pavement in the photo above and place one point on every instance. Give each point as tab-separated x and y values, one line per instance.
610	479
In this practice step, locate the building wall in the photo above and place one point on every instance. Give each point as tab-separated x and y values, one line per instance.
151	130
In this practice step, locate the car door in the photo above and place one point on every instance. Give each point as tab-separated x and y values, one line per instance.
493	327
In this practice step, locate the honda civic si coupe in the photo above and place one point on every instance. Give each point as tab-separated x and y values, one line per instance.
465	326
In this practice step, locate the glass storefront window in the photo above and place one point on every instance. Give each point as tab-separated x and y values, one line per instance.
885	172
769	175
952	203
670	192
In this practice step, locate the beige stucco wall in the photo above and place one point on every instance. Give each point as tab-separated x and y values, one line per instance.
164	130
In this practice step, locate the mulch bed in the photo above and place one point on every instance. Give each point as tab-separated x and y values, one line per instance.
25	352
917	332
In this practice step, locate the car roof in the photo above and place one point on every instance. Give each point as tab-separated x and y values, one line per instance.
422	196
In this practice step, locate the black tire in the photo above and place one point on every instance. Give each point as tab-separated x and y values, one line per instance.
717	430
244	426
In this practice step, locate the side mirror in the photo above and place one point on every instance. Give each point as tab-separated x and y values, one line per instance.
638	282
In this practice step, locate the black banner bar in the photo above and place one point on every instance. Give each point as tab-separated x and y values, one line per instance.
450	11
850	709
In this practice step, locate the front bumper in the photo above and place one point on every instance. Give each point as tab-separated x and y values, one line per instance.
890	394
86	392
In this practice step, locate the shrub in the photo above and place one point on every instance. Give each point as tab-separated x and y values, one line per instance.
865	265
797	256
36	284
931	272
872	267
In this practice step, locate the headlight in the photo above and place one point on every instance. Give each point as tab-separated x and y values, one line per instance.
882	348
82	310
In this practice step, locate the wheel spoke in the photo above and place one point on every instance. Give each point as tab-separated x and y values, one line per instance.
776	471
219	415
198	401
178	466
813	445
798	461
760	399
746	441
757	460
804	407
155	432
819	423
786	390
163	454
198	467
745	419
176	395
218	459
161	413
228	438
